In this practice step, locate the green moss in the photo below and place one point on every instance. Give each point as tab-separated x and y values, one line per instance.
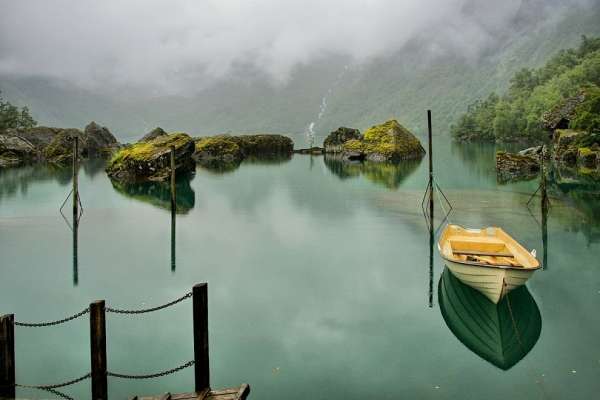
390	139
143	151
584	151
222	145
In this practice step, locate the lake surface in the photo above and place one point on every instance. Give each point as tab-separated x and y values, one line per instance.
319	281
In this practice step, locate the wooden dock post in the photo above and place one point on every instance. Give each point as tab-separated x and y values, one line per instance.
98	351
200	309
7	357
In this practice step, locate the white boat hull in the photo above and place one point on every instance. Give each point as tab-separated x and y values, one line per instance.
493	283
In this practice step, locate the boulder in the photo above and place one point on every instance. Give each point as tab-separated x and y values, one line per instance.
150	161
153	134
264	145
588	157
535	152
15	151
60	149
98	140
334	142
217	151
513	167
389	141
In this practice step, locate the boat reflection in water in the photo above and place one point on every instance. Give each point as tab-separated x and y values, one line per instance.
500	333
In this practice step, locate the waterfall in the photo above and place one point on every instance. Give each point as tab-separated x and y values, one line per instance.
310	130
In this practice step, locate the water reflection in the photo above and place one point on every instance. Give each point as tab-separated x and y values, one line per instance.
159	193
389	175
501	334
17	180
220	168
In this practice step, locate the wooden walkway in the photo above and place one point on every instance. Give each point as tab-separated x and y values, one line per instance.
238	393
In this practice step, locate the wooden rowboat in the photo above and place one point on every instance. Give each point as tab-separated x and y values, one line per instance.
487	259
502	333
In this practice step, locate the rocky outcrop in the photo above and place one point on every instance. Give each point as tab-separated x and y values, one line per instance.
578	150
513	167
153	134
217	151
226	150
334	142
315	151
98	140
389	141
150	161
15	151
55	145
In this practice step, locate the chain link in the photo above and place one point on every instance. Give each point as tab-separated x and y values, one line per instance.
147	310
51	323
150	376
58	385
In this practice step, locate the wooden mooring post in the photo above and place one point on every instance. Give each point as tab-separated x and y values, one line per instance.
200	310
7	357
98	350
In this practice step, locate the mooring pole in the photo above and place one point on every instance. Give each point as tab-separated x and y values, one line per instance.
200	309
173	256
75	178
431	210
75	207
544	206
98	350
173	178
7	357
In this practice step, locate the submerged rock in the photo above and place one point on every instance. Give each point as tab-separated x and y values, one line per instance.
512	167
150	161
334	142
317	151
389	141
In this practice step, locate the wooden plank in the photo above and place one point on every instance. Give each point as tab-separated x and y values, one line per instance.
482	253
236	393
7	356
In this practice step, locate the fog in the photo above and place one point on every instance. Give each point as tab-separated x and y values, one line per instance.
170	47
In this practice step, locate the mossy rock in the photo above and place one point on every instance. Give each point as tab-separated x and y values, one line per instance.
514	167
60	149
150	161
389	141
334	142
264	144
217	152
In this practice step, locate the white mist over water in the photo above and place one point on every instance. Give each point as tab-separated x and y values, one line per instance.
310	133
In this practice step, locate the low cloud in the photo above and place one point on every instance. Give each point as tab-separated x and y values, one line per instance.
172	46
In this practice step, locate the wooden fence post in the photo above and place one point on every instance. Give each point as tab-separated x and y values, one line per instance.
202	368
7	357
98	350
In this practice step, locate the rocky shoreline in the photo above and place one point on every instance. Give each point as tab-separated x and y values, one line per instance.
149	159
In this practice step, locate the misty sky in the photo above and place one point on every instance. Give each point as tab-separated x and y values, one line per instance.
170	46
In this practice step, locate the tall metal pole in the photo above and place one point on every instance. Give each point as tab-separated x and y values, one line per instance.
75	208
200	310
544	206
431	210
173	207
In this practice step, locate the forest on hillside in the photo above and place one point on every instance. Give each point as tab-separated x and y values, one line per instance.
517	115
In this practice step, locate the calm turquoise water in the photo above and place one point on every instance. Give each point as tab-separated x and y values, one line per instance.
318	279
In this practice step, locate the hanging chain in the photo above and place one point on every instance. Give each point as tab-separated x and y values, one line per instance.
156	375
58	385
147	310
51	323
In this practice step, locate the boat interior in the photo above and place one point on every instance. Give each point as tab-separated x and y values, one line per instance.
489	247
